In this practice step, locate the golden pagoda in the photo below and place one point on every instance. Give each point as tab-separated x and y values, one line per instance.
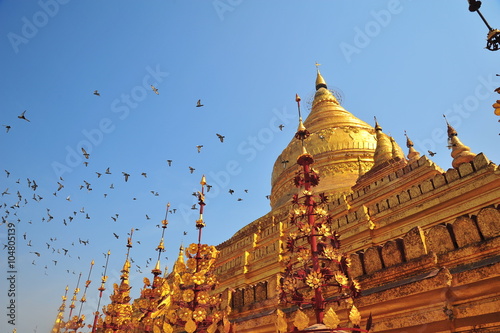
383	243
422	242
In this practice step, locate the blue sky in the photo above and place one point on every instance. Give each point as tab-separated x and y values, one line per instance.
405	62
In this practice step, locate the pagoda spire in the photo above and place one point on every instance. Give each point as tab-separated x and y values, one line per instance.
59	323
396	150
320	81
119	312
102	287
73	300
460	152
413	155
383	152
197	308
154	294
313	261
76	322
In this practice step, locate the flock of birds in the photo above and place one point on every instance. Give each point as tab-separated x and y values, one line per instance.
20	194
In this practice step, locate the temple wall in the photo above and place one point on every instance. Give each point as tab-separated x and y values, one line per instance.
423	243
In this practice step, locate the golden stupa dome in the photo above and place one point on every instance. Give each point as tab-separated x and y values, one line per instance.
341	144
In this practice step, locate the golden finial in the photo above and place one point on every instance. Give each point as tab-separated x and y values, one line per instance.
302	133
383	151
320	81
413	155
396	151
377	126
460	152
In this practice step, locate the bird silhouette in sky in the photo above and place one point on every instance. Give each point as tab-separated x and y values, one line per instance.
107	171
155	90
191	169
221	137
198	104
126	175
96	93
8	173
199	148
144	174
169	162
85	154
21	116
231	191
431	153
7	128
281	127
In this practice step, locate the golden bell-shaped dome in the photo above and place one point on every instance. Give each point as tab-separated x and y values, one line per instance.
339	142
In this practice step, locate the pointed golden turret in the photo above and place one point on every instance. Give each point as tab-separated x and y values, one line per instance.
101	288
460	152
59	323
119	312
396	150
383	152
413	155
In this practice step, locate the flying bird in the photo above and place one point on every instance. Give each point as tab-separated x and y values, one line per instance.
8	173
199	148
7	128
169	162
155	90
231	191
126	175
221	137
281	127
144	174
21	116
96	93
431	153
85	154
191	169
198	104
107	171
